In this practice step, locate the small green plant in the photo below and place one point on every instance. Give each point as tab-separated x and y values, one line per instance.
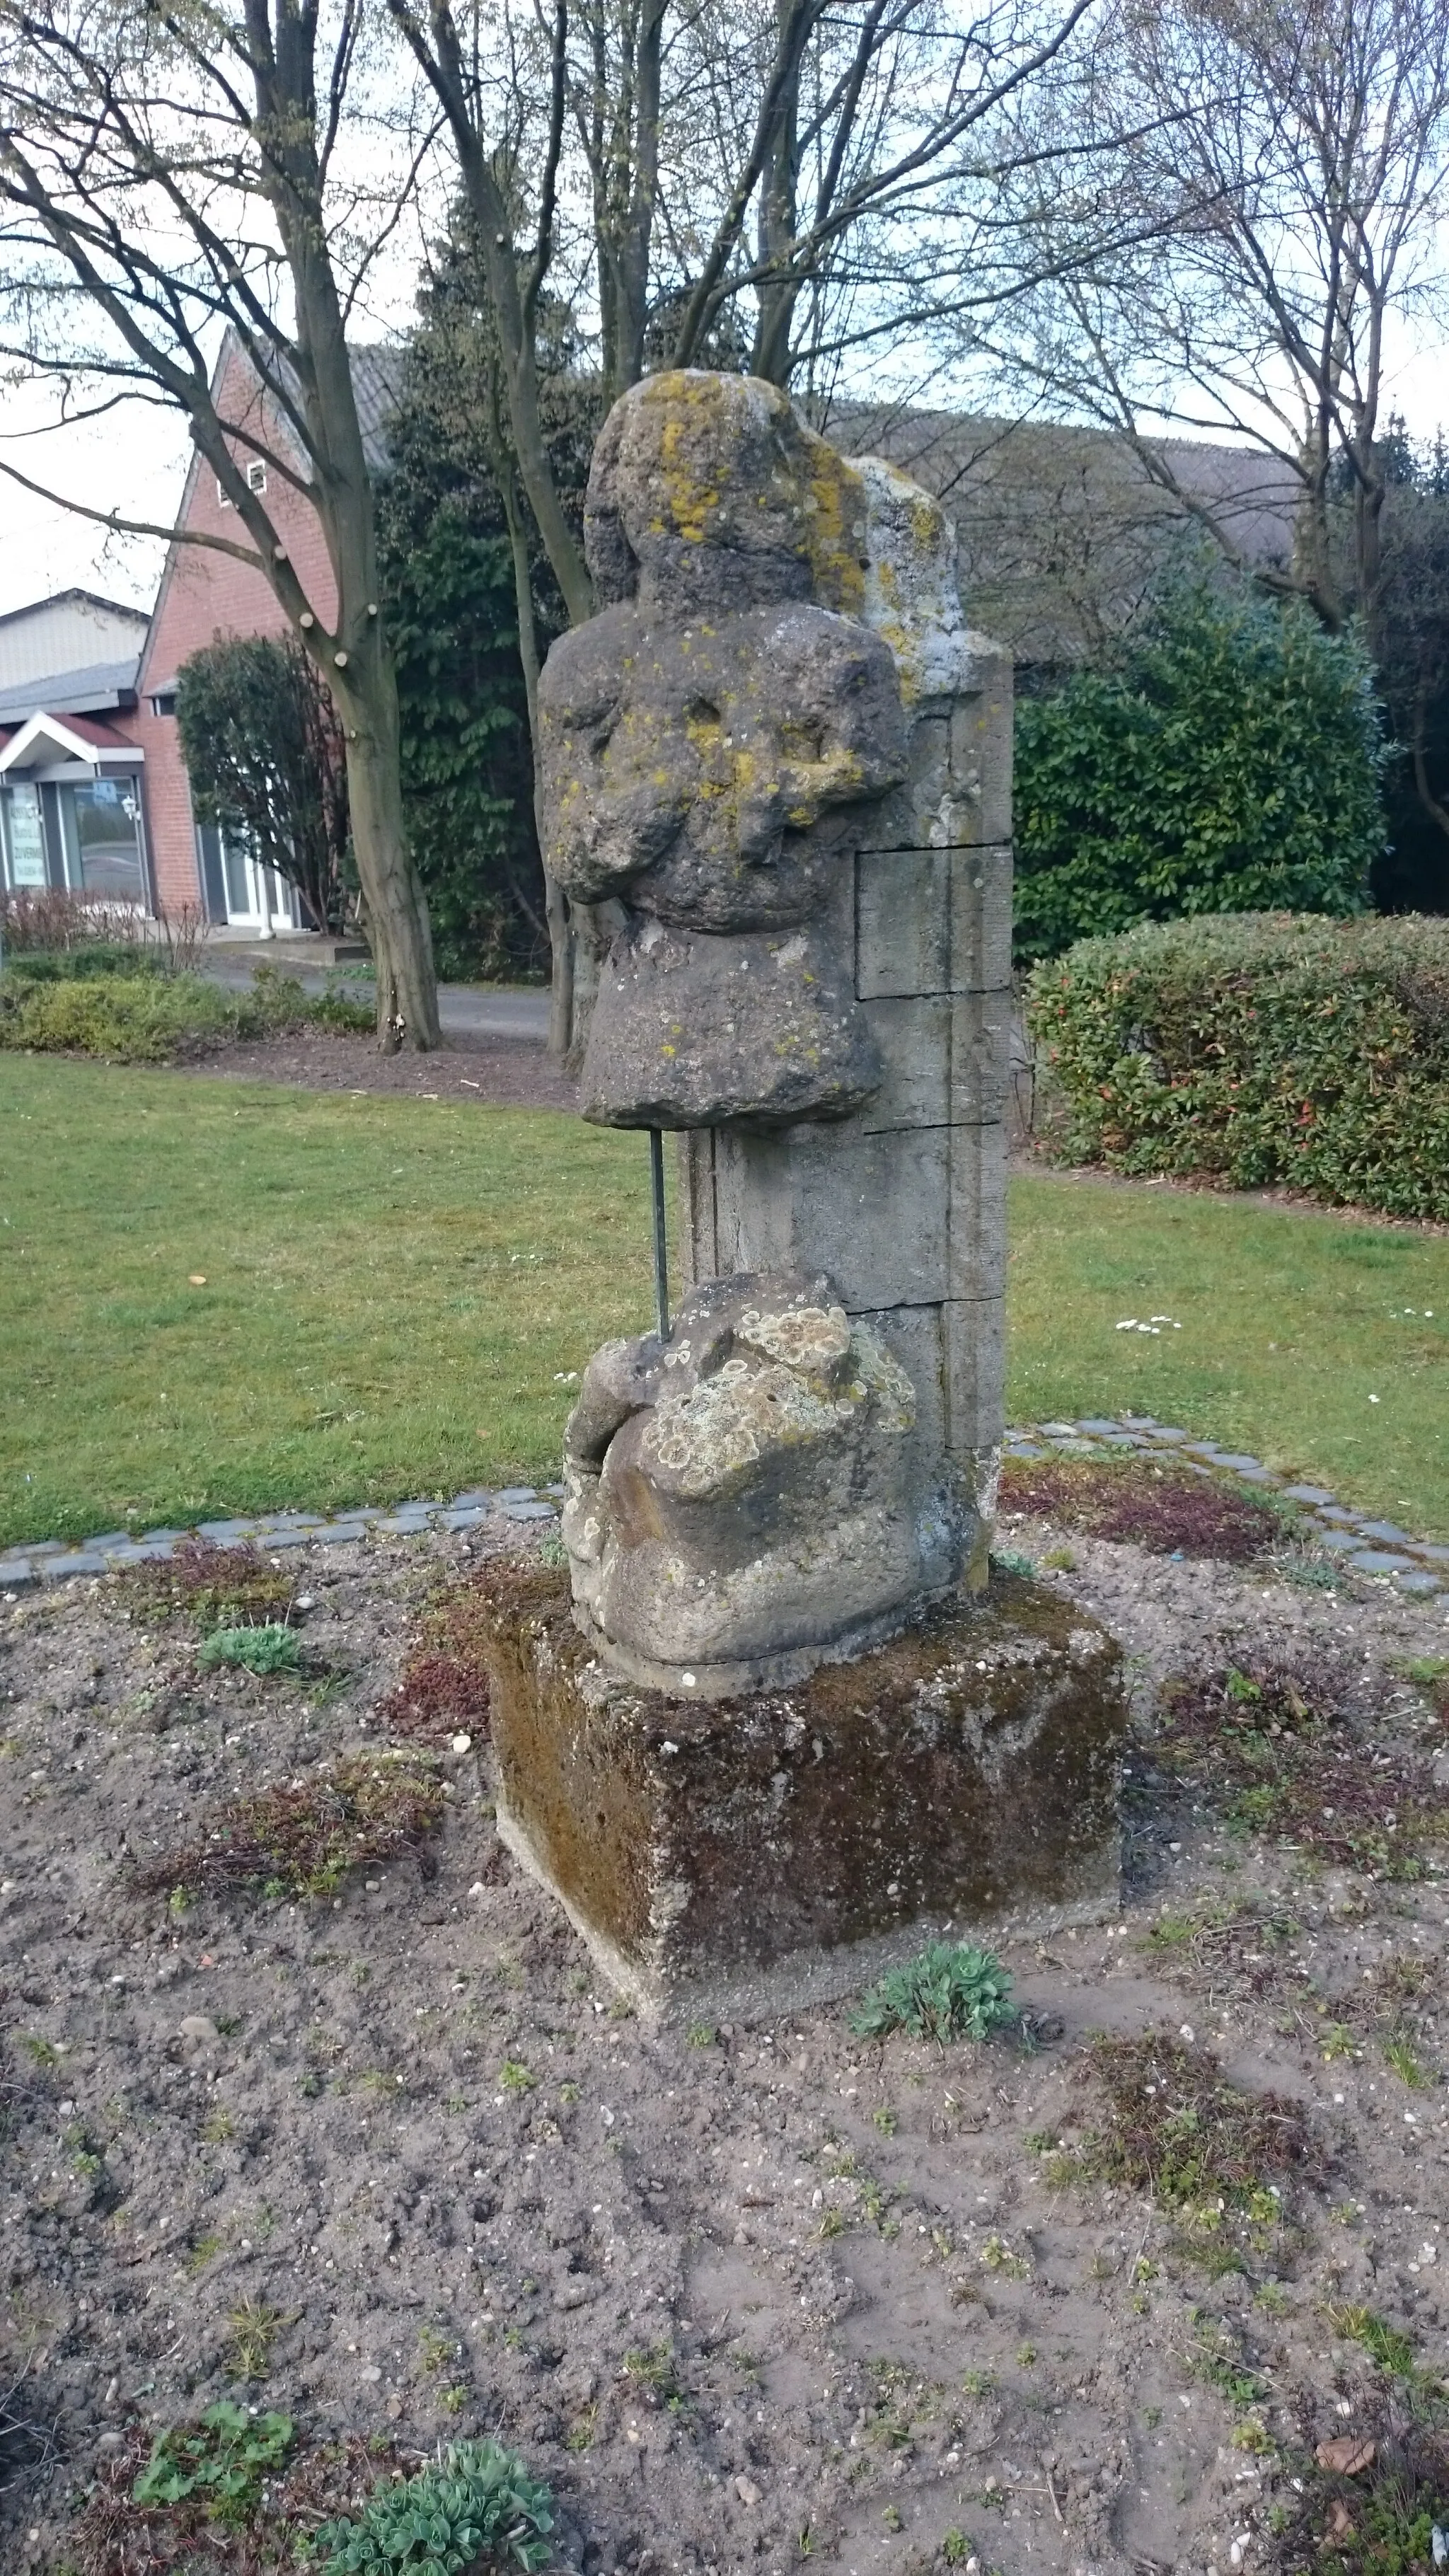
886	2120
1390	2351
253	2329
997	2256
433	2350
1406	2063
977	2383
1217	2360
478	2502
263	1651
580	2435
515	2077
41	2052
454	2399
222	2460
204	2251
702	2034
955	2547
1011	1561
180	1901
950	1991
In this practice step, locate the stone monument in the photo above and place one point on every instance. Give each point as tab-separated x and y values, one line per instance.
776	766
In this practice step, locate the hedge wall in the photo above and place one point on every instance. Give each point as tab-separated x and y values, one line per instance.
1259	1048
1229	761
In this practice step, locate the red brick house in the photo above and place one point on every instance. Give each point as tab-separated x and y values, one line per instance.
71	807
205	595
93	789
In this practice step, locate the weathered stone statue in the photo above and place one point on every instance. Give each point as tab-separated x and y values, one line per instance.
763	760
773	1720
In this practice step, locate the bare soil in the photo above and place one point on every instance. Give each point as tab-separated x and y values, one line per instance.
744	2296
507	1073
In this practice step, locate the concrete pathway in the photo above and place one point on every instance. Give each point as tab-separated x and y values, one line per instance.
465	1010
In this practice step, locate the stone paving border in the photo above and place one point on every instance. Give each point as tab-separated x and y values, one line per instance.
1369	1547
53	1561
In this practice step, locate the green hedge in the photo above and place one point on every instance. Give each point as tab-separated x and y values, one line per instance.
1229	761
1258	1049
141	1015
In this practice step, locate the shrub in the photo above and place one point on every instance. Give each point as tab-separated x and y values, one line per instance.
53	917
1232	763
479	2503
950	1991
266	761
129	1008
268	1649
1261	1050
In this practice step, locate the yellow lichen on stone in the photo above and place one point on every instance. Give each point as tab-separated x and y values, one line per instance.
835	524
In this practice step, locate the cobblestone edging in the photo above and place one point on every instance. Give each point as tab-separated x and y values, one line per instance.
52	1561
1370	1547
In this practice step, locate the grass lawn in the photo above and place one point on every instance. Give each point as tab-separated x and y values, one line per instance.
393	1288
1304	1339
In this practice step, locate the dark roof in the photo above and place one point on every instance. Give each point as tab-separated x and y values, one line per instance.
377	385
92	598
105	685
1061	529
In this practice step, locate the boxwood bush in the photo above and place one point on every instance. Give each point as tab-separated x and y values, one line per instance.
1229	760
130	1012
1257	1049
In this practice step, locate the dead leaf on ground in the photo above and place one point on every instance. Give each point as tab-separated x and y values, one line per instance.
1346	2454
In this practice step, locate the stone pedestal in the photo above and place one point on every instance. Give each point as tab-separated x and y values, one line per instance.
903	1202
749	1857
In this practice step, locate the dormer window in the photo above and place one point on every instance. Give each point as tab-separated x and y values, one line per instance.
256	478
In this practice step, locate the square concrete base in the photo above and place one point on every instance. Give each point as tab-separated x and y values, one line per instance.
747	1857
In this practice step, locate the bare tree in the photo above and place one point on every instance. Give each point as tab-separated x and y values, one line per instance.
165	171
702	174
1287	170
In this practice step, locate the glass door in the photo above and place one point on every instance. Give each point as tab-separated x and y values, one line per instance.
256	897
22	830
101	826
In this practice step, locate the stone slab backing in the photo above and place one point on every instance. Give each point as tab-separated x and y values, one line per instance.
904	1205
754	1855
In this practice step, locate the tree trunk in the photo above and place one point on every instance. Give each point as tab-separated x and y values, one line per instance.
778	214
395	907
561	939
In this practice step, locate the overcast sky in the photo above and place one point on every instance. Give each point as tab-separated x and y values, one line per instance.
135	461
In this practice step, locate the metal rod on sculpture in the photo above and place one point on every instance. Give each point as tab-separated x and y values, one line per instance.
661	1240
